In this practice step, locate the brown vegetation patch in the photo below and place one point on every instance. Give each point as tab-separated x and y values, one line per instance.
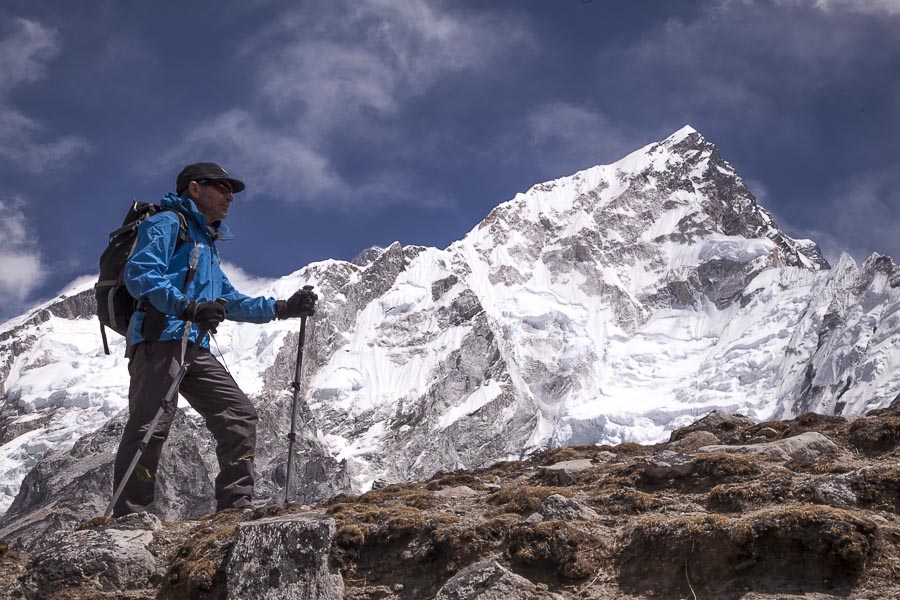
832	427
740	497
93	523
400	545
552	456
876	434
879	488
808	547
555	549
622	501
197	569
456	478
754	431
630	449
524	499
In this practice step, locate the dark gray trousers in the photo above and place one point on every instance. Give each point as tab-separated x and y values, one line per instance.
213	393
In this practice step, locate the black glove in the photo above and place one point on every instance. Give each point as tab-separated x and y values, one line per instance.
301	304
207	315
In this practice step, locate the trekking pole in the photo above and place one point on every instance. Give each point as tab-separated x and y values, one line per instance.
170	395
292	436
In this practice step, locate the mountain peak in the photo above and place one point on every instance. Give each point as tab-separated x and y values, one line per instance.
680	134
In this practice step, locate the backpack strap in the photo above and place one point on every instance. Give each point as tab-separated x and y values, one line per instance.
182	227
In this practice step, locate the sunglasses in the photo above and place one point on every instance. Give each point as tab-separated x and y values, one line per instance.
220	185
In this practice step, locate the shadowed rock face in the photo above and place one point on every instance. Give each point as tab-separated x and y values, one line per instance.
626	521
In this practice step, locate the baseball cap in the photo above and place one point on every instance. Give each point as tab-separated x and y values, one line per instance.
206	170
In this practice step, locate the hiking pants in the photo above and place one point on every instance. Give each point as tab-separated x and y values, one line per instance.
213	393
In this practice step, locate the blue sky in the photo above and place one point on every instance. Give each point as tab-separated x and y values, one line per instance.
357	123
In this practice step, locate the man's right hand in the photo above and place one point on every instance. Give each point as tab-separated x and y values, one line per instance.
207	315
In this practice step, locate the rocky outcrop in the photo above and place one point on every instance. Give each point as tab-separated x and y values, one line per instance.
284	557
112	558
710	524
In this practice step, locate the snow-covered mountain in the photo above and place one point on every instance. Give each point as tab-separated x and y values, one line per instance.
615	304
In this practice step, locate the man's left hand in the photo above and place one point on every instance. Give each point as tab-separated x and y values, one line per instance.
301	304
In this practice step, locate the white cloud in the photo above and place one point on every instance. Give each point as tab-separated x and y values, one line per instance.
21	268
24	53
24	141
345	69
865	211
566	137
859	216
280	162
873	7
243	281
371	55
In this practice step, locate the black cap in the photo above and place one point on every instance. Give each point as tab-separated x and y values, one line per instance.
206	170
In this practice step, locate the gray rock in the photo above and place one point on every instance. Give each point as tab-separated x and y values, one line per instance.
804	449
113	558
567	471
834	492
284	557
460	491
768	433
694	440
488	580
669	465
560	508
808	447
534	518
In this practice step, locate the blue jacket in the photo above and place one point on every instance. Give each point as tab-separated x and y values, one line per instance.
156	271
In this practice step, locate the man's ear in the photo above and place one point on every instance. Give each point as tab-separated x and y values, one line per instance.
193	190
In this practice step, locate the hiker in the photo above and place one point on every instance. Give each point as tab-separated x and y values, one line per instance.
174	274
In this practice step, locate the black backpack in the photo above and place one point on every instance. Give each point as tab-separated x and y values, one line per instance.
114	304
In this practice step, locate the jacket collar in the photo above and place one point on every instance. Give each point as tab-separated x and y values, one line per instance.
217	231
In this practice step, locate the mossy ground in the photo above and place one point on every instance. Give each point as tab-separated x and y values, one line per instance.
732	527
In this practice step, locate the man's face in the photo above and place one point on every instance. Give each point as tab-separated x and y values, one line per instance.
213	198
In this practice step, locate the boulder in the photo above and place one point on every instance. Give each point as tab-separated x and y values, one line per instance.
808	447
566	472
559	508
725	426
804	449
115	557
694	440
284	557
488	580
669	465
834	492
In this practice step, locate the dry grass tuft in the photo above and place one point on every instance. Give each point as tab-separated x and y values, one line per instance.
524	499
198	568
810	545
557	548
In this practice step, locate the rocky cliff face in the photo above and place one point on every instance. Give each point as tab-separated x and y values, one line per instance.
614	305
726	508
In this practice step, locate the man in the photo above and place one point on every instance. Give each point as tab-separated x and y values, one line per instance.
175	275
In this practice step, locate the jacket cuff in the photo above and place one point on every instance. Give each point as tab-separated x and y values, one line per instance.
280	309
